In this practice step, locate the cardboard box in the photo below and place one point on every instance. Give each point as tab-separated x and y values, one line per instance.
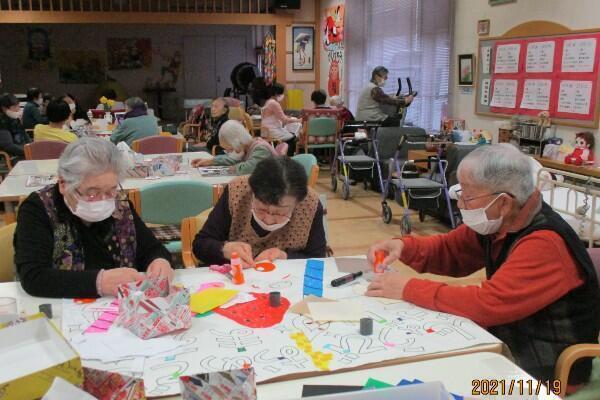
32	353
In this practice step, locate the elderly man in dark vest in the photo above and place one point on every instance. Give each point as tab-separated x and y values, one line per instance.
541	293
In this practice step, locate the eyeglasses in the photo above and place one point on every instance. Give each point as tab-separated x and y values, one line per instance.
95	194
263	209
460	197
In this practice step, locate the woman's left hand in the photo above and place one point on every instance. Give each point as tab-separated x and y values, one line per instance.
271	254
390	285
202	162
160	268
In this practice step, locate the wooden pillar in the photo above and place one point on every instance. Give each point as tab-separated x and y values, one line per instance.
317	44
280	52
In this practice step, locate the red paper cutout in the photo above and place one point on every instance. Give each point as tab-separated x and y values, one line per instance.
257	313
264	267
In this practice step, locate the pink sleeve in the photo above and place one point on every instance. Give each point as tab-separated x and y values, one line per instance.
275	109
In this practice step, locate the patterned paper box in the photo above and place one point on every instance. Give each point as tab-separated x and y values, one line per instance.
151	308
237	384
106	385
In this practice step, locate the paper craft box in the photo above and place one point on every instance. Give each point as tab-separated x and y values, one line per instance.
236	384
32	353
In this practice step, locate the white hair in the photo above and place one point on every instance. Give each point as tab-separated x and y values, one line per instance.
336	101
89	156
500	168
234	134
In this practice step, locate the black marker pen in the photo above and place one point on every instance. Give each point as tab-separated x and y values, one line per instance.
345	279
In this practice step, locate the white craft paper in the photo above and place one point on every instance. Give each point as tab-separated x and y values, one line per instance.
505	93
485	91
578	55
216	343
507	59
574	97
336	311
540	57
486	59
536	94
63	390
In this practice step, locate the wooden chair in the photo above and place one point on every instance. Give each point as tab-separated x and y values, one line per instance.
309	162
44	150
578	351
7	266
158	145
7	162
318	131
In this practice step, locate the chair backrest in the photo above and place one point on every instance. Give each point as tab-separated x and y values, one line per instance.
282	148
595	256
7	265
158	145
236	113
311	167
169	202
44	150
322	126
190	226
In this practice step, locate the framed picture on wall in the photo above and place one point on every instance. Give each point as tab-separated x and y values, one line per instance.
303	40
483	27
466	69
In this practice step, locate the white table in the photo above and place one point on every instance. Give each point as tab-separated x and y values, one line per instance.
193	277
14	186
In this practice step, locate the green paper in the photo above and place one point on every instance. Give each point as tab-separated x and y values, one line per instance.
375	384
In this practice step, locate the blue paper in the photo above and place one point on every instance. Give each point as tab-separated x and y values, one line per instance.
313	278
405	382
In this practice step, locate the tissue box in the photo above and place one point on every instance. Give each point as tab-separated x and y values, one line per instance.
237	384
151	308
32	353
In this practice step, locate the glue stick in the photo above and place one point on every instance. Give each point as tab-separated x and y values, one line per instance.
237	276
378	266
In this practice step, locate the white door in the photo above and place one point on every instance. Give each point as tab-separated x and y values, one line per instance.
230	51
199	67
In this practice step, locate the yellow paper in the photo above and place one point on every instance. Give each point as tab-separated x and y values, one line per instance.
210	298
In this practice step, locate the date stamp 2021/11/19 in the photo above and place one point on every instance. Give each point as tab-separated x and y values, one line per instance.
509	387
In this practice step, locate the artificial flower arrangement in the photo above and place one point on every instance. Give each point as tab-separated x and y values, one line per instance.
108	104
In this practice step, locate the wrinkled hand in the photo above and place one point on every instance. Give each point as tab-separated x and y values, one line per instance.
112	278
272	254
244	250
391	247
390	285
202	162
408	99
160	268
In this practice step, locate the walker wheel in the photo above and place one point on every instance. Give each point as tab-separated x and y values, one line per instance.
345	191
334	183
366	184
405	227
421	215
386	213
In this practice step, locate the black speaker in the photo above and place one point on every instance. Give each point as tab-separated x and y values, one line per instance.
288	4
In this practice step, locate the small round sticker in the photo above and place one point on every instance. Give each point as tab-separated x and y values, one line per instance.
264	267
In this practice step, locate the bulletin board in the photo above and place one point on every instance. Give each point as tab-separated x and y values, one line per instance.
540	66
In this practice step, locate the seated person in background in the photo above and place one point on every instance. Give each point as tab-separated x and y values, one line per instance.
12	134
32	112
372	97
137	123
242	151
79	118
46	100
219	114
81	237
541	293
59	115
275	123
338	103
268	216
319	97
110	94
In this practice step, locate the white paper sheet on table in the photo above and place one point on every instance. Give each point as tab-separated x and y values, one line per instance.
63	390
344	310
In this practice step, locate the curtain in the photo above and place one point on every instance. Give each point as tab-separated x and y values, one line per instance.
411	38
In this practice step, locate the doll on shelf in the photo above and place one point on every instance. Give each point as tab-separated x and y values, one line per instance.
584	149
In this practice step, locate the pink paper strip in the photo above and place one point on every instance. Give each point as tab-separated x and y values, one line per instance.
106	319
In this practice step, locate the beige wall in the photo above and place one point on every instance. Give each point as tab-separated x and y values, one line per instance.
576	14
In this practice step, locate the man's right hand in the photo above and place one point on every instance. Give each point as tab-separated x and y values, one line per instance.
391	247
408	99
244	250
112	278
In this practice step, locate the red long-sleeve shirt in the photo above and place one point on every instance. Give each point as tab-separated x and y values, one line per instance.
538	271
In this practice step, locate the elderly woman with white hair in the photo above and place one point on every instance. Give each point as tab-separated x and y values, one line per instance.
137	123
541	294
242	151
81	237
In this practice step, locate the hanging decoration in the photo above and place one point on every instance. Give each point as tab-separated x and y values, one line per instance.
269	59
333	44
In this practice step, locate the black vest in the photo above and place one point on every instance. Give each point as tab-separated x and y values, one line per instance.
537	340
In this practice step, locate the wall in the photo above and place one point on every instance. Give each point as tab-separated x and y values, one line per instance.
580	14
324	65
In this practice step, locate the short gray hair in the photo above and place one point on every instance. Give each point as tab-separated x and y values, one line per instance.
379	70
336	101
501	168
135	102
234	134
89	156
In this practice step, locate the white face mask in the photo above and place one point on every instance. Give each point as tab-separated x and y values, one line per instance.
280	98
381	83
39	102
94	211
478	221
14	114
272	227
72	106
